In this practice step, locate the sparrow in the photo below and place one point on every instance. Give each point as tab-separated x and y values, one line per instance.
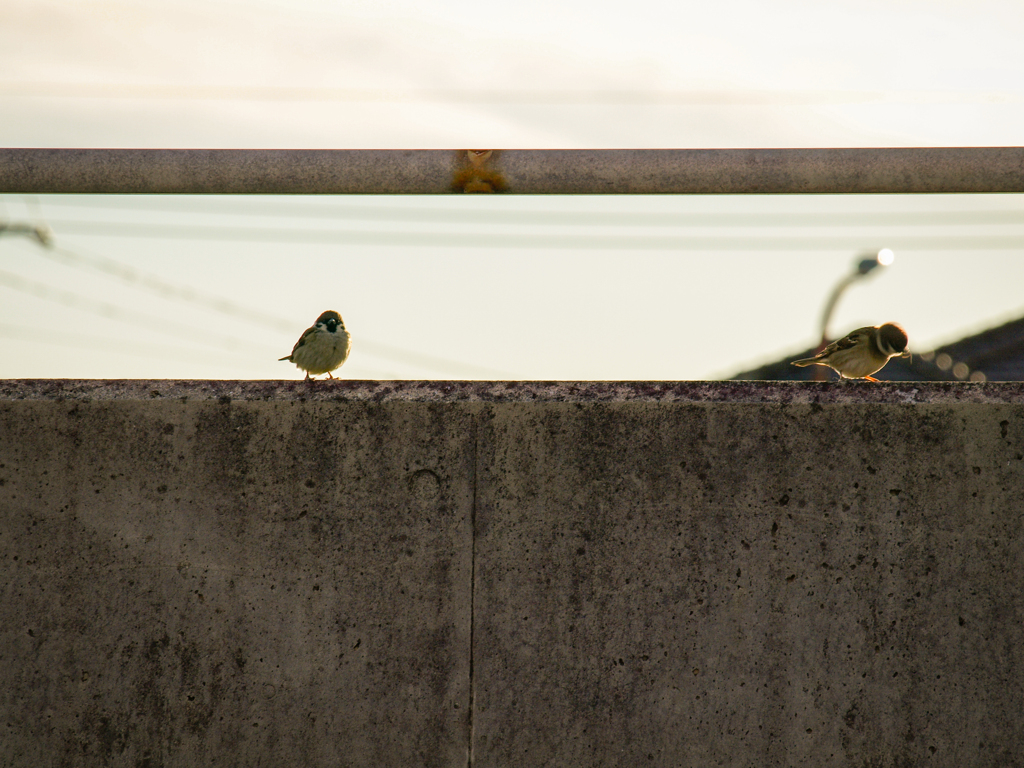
322	348
862	353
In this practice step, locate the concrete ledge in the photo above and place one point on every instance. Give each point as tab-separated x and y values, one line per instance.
344	390
511	574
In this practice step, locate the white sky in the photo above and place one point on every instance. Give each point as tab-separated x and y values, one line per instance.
321	74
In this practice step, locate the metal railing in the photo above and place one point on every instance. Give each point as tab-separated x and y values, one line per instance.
547	171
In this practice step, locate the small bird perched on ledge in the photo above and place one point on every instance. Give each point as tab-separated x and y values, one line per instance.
322	348
862	353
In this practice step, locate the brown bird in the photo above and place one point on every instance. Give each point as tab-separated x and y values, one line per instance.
322	348
862	353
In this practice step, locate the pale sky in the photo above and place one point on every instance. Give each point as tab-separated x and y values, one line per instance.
697	297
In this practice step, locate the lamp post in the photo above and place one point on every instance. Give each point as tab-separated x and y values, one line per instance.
38	232
867	263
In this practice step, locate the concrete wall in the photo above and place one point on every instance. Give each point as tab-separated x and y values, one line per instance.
519	574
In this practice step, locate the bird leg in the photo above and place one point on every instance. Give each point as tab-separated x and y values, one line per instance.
329	375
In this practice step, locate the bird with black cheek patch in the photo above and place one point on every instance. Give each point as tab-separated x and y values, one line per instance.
322	348
863	352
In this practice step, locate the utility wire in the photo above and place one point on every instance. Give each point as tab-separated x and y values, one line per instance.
186	294
148	350
535	241
472	215
113	312
119	346
162	288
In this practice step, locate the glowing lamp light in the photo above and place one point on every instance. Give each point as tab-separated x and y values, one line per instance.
883	258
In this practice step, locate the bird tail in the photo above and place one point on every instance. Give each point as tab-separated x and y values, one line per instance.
806	361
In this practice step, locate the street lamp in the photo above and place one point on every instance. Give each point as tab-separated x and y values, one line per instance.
868	262
883	258
38	232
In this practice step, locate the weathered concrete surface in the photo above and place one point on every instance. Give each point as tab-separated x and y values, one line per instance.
511	574
750	585
234	584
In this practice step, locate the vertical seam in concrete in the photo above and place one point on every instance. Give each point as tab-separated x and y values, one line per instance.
472	583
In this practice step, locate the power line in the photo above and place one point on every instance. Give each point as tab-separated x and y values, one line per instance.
186	294
113	312
536	241
148	350
106	344
163	288
475	216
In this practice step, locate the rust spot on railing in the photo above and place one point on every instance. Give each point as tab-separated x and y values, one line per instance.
475	173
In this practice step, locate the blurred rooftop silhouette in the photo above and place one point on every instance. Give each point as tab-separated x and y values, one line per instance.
996	354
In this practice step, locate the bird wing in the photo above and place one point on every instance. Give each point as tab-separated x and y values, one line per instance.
847	342
302	339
